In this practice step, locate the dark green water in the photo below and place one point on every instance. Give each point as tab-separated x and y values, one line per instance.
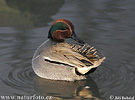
109	25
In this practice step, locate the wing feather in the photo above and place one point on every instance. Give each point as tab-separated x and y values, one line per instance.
83	57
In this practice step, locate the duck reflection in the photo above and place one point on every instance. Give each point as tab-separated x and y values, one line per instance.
86	89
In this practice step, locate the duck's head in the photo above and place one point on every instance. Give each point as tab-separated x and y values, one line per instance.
62	29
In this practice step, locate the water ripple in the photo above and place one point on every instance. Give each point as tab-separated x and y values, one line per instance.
116	79
21	78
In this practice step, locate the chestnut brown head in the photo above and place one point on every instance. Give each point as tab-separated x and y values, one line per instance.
62	29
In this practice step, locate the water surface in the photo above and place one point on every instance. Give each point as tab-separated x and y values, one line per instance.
107	24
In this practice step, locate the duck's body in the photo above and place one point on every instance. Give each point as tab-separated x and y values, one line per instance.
48	70
59	60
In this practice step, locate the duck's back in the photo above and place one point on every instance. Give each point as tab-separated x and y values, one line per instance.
45	68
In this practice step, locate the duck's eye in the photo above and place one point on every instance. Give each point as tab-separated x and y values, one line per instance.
64	28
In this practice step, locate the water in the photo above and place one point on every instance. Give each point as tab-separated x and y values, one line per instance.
106	24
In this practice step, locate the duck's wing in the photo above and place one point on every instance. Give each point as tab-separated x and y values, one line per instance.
81	57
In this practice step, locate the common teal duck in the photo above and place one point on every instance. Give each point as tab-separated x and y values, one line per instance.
58	59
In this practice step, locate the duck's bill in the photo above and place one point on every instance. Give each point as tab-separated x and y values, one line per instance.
75	37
